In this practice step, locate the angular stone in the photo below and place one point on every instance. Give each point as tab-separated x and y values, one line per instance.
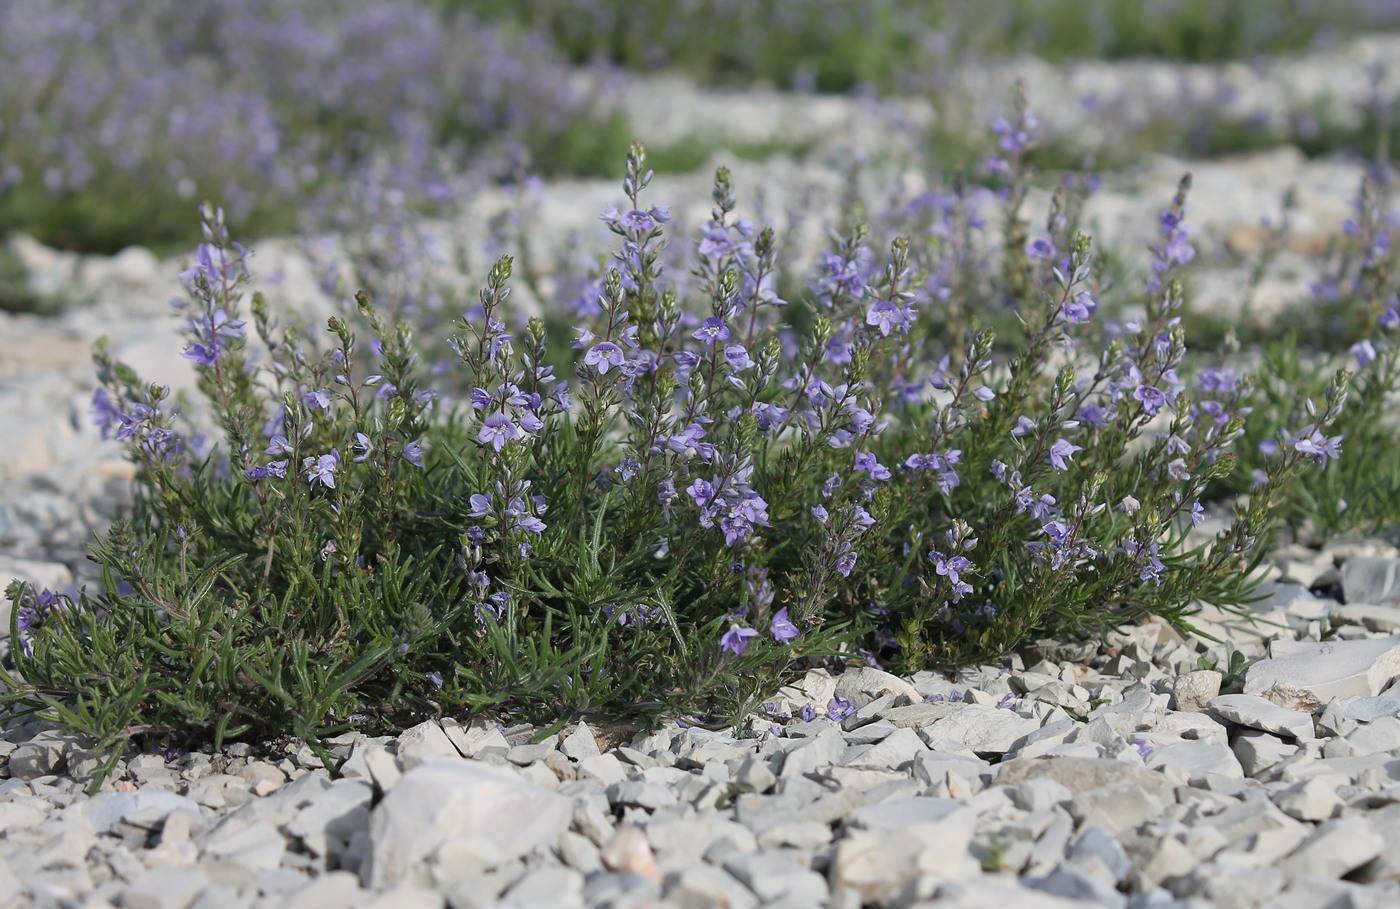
894	751
1382	619
1082	888
916	716
1259	713
1195	689
1257	751
605	768
1335	848
500	815
981	730
872	683
580	743
1301	675
1085	775
146	808
1313	799
165	888
706	887
1371	579
814	754
1386	865
257	846
772	877
878	864
547	886
628	852
423	743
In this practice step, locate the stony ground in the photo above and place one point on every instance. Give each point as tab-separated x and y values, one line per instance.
1125	775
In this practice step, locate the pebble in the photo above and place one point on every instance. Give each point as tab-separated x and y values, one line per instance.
1128	781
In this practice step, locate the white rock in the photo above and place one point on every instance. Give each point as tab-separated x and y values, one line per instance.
706	887
1259	713
257	846
895	750
872	683
501	815
1335	848
1314	799
423	743
550	886
580	743
816	753
1195	689
1197	759
605	768
1301	675
978	729
165	888
1257	751
878	864
628	852
1371	579
772	877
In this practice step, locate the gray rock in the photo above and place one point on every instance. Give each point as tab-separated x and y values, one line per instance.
1195	689
436	803
1073	884
142	808
873	683
1301	675
772	877
878	864
1257	751
814	754
1314	799
980	730
1099	845
1258	713
706	887
894	751
423	743
550	886
580	743
1335	848
916	716
256	845
1382	619
1371	579
605	768
165	888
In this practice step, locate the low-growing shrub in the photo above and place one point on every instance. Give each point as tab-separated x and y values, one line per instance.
716	495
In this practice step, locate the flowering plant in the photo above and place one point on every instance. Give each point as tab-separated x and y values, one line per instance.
730	485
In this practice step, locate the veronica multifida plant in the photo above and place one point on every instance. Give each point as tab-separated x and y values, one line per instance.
716	493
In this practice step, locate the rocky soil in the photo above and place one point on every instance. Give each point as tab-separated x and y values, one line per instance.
1132	774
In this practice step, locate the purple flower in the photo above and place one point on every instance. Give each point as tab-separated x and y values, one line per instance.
604	355
847	561
480	505
701	491
806	713
203	354
1151	397
737	357
1079	309
1176	469
413	453
322	469
1365	353
637	220
711	330
278	444
865	461
736	639
1024	426
435	678
1060	451
782	630
838	708
496	430
1311	442
320	398
362	447
888	317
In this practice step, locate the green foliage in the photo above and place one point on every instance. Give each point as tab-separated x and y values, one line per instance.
665	535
